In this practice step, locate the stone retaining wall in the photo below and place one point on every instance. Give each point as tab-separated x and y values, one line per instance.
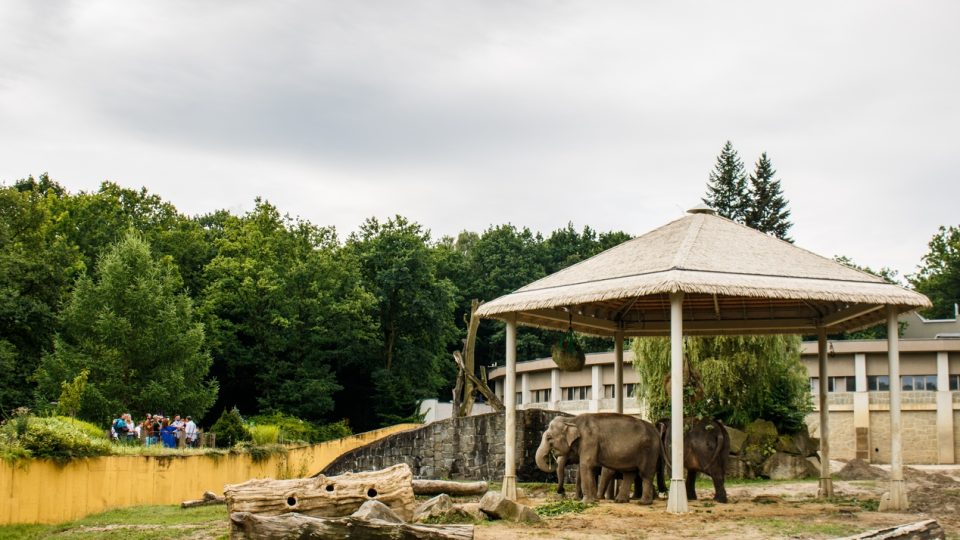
469	448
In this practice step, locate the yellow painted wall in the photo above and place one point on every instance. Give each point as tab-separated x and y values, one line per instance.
40	491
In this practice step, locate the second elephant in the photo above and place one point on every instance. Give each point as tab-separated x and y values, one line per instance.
705	448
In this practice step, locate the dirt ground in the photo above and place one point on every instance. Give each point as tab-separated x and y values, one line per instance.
755	511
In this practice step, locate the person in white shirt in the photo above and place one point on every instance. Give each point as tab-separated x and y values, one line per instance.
190	429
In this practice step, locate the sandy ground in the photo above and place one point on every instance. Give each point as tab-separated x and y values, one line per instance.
756	511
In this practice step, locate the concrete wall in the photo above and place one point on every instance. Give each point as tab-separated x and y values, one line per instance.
41	491
469	448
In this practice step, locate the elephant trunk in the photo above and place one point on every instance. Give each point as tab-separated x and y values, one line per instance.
541	457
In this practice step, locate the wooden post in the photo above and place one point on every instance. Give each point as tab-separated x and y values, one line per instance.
896	499
826	483
509	488
677	501
618	369
468	358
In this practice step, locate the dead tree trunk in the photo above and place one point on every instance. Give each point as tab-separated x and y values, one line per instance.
244	525
325	496
468	358
456	489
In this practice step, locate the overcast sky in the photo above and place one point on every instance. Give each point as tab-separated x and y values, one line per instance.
464	114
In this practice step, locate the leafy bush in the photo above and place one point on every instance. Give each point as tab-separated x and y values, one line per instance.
230	429
292	429
264	434
336	430
53	438
91	430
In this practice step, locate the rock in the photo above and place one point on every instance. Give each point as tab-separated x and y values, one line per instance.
473	510
738	468
858	469
761	431
815	462
799	444
737	438
783	466
495	505
436	506
376	510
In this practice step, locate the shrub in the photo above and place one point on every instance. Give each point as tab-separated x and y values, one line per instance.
336	430
91	430
292	429
264	434
57	439
230	429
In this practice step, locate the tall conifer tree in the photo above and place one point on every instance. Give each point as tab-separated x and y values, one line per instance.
727	187
768	208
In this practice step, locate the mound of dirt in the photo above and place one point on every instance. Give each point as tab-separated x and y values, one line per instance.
858	469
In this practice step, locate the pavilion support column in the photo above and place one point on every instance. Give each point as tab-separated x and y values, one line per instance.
618	369
509	488
896	498
677	501
826	483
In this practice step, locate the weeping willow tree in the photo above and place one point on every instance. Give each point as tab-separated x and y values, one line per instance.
737	379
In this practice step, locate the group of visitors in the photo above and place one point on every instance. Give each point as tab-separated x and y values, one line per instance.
156	429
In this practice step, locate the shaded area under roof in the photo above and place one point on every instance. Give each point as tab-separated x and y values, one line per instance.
735	280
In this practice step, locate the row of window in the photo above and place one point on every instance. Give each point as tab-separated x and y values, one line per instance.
881	383
578	393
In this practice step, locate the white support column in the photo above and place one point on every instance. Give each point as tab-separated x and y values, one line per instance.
509	488
945	450
677	501
618	370
555	388
525	390
861	408
596	388
826	483
896	498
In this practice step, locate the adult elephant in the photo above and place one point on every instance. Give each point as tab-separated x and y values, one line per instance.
705	449
618	442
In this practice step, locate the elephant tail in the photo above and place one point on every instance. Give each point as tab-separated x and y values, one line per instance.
664	426
721	434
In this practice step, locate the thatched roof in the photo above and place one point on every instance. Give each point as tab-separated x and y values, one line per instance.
735	280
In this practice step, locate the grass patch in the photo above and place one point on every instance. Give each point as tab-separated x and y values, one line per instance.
136	523
782	527
566	506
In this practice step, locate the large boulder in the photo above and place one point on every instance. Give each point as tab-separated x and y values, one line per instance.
437	506
783	466
800	444
737	438
376	510
761	443
738	468
495	505
471	509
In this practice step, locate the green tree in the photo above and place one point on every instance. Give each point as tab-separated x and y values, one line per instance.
37	270
734	378
727	191
284	308
874	332
414	313
939	275
767	207
71	395
133	329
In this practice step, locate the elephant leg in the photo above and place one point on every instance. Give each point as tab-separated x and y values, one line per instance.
719	491
623	494
647	492
588	482
661	484
638	487
578	485
606	481
691	485
611	490
561	472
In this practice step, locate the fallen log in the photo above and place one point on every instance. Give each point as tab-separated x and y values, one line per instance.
456	489
920	530
244	525
325	496
209	498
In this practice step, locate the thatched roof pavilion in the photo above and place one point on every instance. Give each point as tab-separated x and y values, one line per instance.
707	275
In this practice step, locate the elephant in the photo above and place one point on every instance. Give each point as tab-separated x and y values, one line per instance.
705	448
604	482
618	442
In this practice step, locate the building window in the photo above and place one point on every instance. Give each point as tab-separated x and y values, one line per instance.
578	393
878	383
918	383
840	384
630	390
609	391
814	385
541	396
955	383
519	398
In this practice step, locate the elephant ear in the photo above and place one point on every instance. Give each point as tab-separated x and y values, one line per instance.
571	433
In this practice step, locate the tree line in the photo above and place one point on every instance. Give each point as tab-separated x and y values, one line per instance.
117	296
113	300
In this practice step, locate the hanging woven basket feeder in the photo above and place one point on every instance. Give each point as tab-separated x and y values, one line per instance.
568	354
